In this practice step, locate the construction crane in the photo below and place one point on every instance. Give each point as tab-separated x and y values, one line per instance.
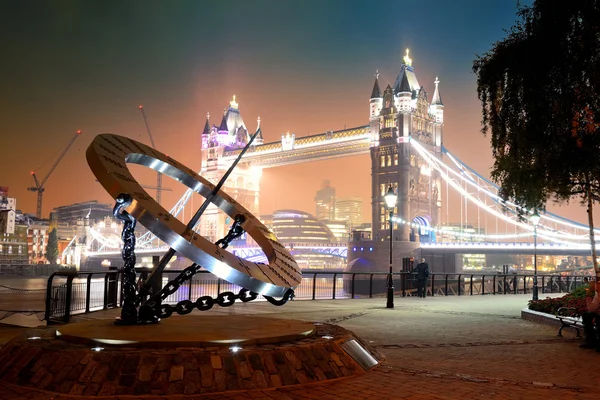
39	185
158	174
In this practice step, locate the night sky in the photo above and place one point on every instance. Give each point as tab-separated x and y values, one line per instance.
302	66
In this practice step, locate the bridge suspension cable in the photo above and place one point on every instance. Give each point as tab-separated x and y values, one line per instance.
463	178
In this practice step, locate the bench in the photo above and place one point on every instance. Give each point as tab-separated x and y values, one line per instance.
568	316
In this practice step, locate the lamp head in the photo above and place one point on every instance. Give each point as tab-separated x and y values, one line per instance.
390	198
535	219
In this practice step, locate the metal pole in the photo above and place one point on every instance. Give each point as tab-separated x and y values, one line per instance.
535	280
192	223
390	288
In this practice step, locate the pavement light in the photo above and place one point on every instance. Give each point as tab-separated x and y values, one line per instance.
97	348
235	349
34	338
327	337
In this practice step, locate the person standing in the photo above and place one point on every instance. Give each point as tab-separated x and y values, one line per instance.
591	324
422	271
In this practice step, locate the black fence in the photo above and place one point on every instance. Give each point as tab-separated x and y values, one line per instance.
70	293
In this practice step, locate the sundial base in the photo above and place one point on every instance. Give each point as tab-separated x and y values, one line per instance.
189	331
192	355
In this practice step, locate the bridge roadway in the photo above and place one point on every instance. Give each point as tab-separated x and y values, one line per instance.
435	348
341	249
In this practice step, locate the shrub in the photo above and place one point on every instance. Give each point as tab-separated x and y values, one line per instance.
577	299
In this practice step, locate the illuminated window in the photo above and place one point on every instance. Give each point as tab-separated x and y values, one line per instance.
382	161
395	158
389	160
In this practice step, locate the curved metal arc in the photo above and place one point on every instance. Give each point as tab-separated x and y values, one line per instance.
108	155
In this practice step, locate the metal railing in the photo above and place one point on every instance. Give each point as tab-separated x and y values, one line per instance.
70	293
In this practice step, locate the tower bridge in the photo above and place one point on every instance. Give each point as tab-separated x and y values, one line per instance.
291	150
404	138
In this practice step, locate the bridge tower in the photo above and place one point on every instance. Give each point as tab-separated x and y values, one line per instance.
244	182
402	111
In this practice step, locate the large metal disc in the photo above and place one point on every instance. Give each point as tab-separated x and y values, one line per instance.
108	156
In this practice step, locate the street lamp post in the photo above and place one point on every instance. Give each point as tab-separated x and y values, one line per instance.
390	201
535	219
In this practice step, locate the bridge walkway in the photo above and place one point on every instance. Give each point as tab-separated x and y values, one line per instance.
472	347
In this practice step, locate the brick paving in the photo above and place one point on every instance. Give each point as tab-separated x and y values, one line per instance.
435	348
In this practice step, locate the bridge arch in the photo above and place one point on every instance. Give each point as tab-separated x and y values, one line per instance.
422	224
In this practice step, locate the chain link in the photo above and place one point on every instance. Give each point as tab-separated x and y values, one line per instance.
235	232
205	303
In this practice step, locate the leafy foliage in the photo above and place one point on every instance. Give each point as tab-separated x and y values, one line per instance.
52	247
539	89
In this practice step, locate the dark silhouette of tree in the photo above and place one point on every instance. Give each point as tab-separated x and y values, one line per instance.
52	247
539	89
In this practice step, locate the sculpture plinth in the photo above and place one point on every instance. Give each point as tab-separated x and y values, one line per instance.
86	367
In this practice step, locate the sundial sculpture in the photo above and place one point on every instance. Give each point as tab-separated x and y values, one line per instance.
108	156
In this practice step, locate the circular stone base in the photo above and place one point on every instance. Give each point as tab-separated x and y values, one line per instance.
42	360
189	331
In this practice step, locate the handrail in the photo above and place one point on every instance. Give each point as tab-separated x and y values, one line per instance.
337	284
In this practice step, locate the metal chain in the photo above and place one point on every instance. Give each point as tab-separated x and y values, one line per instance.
205	303
149	310
129	287
235	232
288	295
172	286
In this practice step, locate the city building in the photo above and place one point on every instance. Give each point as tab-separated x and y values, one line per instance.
69	215
8	207
325	199
298	230
293	226
13	231
267	220
37	239
13	246
349	209
339	228
7	221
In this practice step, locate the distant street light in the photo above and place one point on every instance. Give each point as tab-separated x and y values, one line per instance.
535	220
390	201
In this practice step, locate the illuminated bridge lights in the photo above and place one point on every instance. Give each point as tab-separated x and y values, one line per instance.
555	231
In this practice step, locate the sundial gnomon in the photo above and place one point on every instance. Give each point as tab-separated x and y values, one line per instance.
108	156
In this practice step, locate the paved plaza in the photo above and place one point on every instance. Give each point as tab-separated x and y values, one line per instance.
471	347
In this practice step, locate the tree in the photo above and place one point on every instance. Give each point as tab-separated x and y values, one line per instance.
539	89
52	247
